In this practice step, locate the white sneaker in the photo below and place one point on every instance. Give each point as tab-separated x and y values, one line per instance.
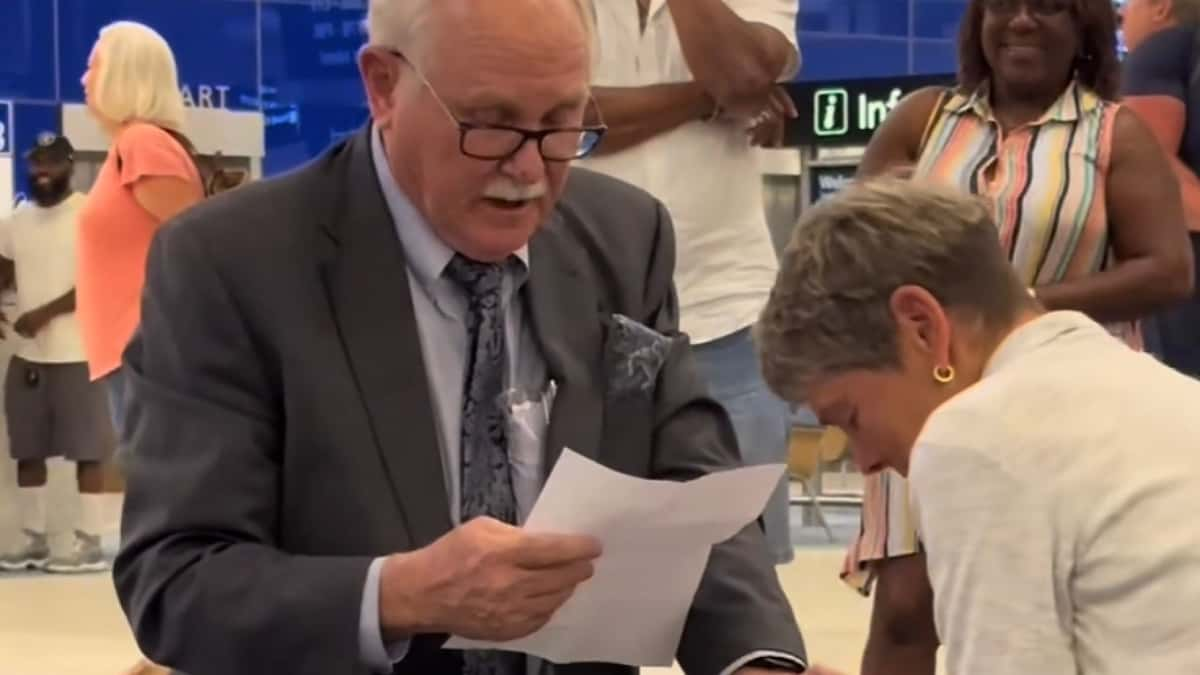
85	556
34	555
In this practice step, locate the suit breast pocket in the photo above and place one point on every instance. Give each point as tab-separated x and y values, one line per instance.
634	355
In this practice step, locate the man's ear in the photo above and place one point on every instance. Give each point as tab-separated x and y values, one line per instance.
379	76
1164	10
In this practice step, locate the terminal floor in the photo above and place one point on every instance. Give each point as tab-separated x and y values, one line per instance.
53	625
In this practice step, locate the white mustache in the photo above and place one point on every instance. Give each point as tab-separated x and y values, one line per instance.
512	192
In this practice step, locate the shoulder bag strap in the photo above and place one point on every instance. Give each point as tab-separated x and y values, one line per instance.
187	146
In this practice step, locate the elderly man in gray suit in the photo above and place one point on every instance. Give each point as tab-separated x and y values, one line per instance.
330	447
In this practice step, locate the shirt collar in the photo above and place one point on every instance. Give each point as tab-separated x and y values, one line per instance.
427	255
1074	102
1037	333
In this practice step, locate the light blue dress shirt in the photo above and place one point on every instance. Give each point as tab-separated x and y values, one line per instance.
441	308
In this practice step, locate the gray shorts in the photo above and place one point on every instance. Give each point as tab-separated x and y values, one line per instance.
54	410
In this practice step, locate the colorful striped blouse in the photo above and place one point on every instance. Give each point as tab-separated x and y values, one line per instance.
1046	181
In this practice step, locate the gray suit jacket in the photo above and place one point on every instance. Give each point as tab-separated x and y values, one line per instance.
279	430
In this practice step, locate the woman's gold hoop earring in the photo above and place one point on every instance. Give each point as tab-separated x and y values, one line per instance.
944	374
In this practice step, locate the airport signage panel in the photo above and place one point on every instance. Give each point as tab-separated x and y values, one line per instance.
847	112
826	180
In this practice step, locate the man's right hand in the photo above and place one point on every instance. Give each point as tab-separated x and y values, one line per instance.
484	580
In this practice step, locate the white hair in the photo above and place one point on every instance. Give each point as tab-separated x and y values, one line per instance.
397	24
136	80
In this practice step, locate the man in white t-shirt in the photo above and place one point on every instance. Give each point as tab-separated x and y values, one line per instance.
688	89
53	410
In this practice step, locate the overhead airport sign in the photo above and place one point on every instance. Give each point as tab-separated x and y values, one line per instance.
847	112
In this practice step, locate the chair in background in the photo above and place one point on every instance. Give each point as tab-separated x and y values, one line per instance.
810	448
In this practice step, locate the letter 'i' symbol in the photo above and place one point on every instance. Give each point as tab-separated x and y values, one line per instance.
831	112
828	113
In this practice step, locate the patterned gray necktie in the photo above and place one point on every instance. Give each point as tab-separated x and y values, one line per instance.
486	477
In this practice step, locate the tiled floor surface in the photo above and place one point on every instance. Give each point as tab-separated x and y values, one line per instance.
73	626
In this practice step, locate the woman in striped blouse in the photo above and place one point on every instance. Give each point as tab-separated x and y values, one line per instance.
1087	209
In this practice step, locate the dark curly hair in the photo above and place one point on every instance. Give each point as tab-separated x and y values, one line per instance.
1097	65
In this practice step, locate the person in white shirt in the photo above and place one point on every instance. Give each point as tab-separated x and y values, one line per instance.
1054	471
687	88
51	407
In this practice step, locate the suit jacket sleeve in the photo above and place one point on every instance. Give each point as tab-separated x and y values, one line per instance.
740	607
200	573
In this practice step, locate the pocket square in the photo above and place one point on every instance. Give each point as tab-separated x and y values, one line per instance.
635	354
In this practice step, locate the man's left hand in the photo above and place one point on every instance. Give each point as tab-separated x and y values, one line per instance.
750	110
766	128
766	131
31	323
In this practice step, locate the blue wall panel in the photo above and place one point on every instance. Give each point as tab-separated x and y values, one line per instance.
877	38
295	59
215	43
311	90
858	17
937	19
27	55
933	57
826	56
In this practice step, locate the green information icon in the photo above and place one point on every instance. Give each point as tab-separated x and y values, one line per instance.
831	112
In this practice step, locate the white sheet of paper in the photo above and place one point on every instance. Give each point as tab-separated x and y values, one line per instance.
657	536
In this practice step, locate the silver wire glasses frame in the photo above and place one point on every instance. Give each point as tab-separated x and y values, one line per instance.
501	142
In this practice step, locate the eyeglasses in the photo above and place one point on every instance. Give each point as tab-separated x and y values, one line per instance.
494	142
1039	7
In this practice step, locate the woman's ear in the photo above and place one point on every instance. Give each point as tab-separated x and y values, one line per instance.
922	322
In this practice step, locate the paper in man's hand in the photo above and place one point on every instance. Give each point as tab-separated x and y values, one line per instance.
657	536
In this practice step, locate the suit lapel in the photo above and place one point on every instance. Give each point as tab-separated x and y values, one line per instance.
566	322
368	287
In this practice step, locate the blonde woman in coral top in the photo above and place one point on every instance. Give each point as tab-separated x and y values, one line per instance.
150	176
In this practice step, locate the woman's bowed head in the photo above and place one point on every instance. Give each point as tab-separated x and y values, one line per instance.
891	297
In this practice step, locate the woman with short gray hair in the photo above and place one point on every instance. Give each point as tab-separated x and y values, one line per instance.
1052	545
1084	202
